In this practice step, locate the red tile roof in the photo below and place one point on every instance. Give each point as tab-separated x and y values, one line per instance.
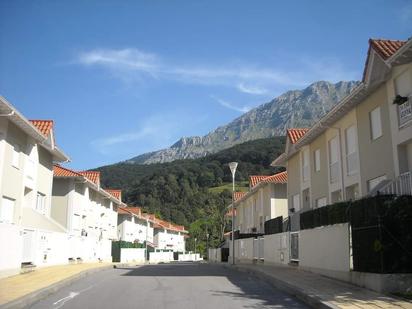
123	211
277	178
386	48
136	210
255	179
238	195
116	193
93	176
60	171
296	134
44	126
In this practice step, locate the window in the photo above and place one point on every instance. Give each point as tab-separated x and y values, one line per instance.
333	160
296	202
41	203
320	202
372	183
317	160
351	150
305	165
15	160
403	87
7	210
376	123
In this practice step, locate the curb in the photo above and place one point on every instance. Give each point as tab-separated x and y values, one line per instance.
311	300
33	297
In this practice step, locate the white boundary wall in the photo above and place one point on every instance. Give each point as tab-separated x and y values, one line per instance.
215	255
190	257
11	253
132	255
277	248
325	250
157	257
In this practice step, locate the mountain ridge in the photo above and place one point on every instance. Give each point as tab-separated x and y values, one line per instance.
294	108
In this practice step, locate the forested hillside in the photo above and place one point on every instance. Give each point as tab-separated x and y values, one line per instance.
180	191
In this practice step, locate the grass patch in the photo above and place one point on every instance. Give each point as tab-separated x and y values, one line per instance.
240	186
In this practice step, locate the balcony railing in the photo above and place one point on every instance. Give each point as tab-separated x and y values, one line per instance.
402	185
405	112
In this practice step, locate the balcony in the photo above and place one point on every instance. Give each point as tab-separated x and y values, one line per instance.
405	112
402	185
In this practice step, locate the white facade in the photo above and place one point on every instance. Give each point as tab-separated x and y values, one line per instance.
29	234
88	212
133	228
169	240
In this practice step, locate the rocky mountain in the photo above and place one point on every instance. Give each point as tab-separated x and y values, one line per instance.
295	108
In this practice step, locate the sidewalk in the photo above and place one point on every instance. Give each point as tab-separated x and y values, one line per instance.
35	283
322	292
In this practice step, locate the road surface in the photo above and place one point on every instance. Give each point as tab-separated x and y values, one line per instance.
171	286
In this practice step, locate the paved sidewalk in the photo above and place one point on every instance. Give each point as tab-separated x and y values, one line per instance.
16	287
322	292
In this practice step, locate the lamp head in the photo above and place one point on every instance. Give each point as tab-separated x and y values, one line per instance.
233	166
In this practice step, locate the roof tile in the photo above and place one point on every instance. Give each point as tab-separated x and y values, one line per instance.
296	134
44	126
93	176
60	171
238	195
255	179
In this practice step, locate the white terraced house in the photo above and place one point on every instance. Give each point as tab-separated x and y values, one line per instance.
265	200
168	236
28	234
363	145
134	226
88	212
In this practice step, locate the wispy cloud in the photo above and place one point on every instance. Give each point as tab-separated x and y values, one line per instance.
251	89
229	105
132	63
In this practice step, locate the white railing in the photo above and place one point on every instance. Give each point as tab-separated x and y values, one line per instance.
402	185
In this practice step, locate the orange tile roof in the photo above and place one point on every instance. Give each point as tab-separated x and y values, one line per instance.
255	179
123	211
238	195
277	178
44	126
60	171
116	193
93	176
386	48
136	210
296	134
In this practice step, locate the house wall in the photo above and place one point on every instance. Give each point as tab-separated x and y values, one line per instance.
293	168
60	200
319	179
376	156
279	204
11	244
400	135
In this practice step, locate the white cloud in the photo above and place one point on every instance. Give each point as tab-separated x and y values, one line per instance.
229	105
251	89
131	64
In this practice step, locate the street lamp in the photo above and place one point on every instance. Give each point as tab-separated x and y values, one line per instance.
233	166
207	245
195	244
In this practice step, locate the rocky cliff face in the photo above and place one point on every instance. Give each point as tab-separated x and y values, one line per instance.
295	108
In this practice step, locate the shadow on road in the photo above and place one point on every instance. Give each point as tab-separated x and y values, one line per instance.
246	286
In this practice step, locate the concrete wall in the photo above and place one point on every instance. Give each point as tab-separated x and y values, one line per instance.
60	200
215	255
132	255
158	257
325	250
277	248
11	244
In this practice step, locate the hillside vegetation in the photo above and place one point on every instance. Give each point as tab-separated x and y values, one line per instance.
193	192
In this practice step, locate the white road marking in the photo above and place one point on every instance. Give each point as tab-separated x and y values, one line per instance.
60	303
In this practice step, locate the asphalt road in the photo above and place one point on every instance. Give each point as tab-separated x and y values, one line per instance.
172	286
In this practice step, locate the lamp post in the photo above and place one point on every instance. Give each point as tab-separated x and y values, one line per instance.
233	166
207	245
195	244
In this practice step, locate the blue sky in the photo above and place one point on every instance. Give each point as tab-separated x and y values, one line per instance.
121	78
